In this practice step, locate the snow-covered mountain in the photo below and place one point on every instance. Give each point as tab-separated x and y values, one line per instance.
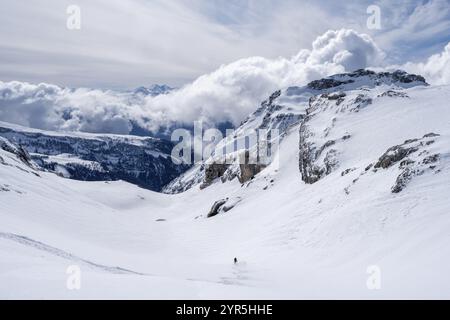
360	182
292	106
145	162
154	90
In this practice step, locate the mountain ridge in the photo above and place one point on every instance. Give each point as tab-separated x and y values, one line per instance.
144	161
289	106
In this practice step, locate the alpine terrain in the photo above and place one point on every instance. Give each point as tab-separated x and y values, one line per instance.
353	203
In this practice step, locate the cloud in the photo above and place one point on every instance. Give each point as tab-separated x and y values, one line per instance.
436	69
131	43
347	48
228	94
125	44
50	107
413	29
234	90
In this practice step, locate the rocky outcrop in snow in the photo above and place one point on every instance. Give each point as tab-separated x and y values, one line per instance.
356	79
333	98
17	150
222	206
414	157
279	112
213	171
411	161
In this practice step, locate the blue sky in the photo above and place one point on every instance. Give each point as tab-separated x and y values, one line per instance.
125	44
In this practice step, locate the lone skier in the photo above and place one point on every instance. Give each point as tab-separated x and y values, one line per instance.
235	260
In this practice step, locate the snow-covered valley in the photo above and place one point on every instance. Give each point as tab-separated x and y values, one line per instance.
307	226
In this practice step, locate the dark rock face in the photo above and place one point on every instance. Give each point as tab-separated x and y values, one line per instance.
403	77
18	150
273	96
327	84
398	77
411	162
213	171
225	171
361	73
318	159
310	170
402	180
145	162
249	170
393	155
431	159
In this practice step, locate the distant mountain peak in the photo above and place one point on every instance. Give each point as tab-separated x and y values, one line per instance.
154	90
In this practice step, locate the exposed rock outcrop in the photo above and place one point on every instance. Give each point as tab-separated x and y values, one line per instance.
248	170
223	205
395	154
411	161
241	167
215	209
213	171
17	150
327	84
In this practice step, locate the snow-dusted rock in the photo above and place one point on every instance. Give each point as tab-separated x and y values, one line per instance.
413	158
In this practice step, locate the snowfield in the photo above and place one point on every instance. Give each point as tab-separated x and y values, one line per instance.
293	240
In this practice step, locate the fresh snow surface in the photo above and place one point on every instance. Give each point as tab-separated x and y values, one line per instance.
292	240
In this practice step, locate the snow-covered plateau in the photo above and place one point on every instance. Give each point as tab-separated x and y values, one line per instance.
356	204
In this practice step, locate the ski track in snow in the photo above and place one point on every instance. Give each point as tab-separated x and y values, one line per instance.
63	254
235	280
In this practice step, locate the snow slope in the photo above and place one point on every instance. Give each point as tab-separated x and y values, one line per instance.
292	239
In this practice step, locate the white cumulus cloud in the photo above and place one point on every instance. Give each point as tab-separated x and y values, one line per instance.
228	94
436	69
